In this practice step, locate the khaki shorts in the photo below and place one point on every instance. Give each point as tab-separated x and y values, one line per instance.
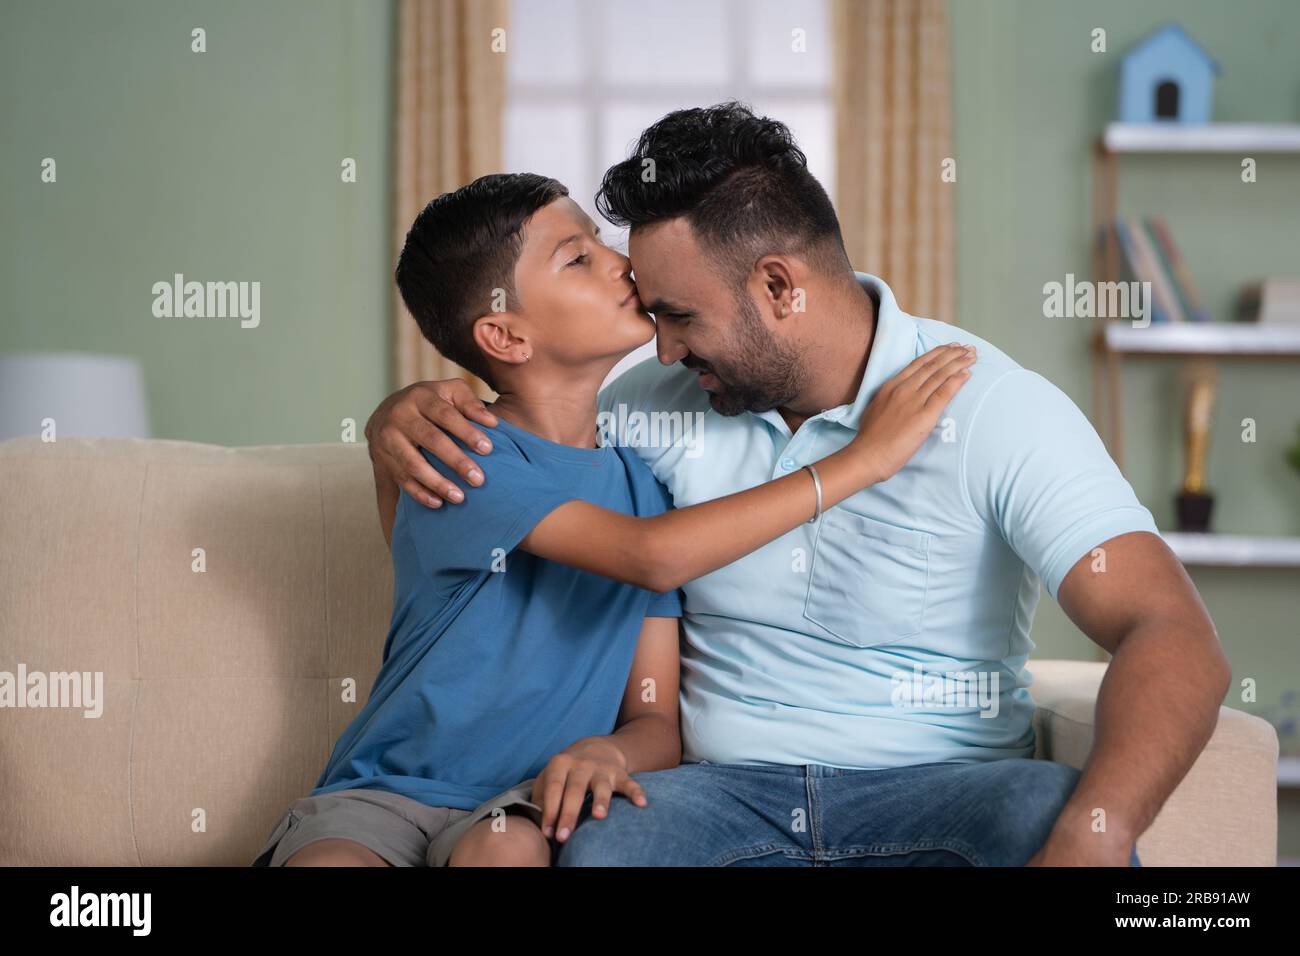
403	831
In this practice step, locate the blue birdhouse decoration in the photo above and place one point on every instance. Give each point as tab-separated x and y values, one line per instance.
1167	78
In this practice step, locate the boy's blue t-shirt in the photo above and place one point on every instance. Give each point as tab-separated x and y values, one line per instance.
496	660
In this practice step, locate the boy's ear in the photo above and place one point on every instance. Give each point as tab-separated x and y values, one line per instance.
495	335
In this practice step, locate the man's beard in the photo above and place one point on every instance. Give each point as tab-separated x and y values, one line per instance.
760	374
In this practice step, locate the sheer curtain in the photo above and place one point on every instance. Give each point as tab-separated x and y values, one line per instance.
450	97
893	134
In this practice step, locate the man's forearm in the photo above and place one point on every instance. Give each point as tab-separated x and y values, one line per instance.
1157	708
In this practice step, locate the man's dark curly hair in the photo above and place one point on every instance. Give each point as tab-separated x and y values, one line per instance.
740	180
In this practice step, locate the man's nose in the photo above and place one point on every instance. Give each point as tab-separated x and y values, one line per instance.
668	348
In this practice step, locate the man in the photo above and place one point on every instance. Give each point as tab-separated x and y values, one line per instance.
855	692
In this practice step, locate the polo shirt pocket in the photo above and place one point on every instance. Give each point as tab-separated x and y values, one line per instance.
868	581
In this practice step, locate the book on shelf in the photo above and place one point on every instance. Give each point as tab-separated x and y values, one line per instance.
1270	302
1129	263
1147	253
1178	270
1149	266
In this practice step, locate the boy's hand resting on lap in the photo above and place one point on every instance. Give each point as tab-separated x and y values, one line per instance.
592	763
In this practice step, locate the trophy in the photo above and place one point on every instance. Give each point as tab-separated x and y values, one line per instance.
1194	502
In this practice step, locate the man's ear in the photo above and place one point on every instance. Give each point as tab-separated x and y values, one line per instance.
778	286
495	333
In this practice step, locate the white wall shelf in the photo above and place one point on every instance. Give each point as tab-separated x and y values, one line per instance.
1204	138
1221	340
1233	550
1205	338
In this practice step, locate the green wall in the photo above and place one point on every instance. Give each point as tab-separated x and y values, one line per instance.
1030	98
222	166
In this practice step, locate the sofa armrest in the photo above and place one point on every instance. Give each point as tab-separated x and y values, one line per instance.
1223	813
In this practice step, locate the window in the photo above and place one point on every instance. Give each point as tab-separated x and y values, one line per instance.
584	77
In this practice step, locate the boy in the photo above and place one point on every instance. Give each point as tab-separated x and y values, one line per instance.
532	658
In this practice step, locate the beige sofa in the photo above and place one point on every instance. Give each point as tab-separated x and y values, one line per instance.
222	690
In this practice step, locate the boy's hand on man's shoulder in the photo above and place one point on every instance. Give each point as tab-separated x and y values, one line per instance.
592	763
422	415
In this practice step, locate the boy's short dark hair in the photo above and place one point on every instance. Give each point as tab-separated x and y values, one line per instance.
462	246
740	180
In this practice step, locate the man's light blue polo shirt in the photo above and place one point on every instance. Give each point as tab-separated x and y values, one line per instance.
894	631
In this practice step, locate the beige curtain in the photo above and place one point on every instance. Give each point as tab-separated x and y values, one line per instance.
450	97
893	107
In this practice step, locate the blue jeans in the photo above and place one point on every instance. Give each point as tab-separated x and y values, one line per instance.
995	813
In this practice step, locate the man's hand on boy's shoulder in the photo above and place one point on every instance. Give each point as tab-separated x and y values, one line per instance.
422	416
